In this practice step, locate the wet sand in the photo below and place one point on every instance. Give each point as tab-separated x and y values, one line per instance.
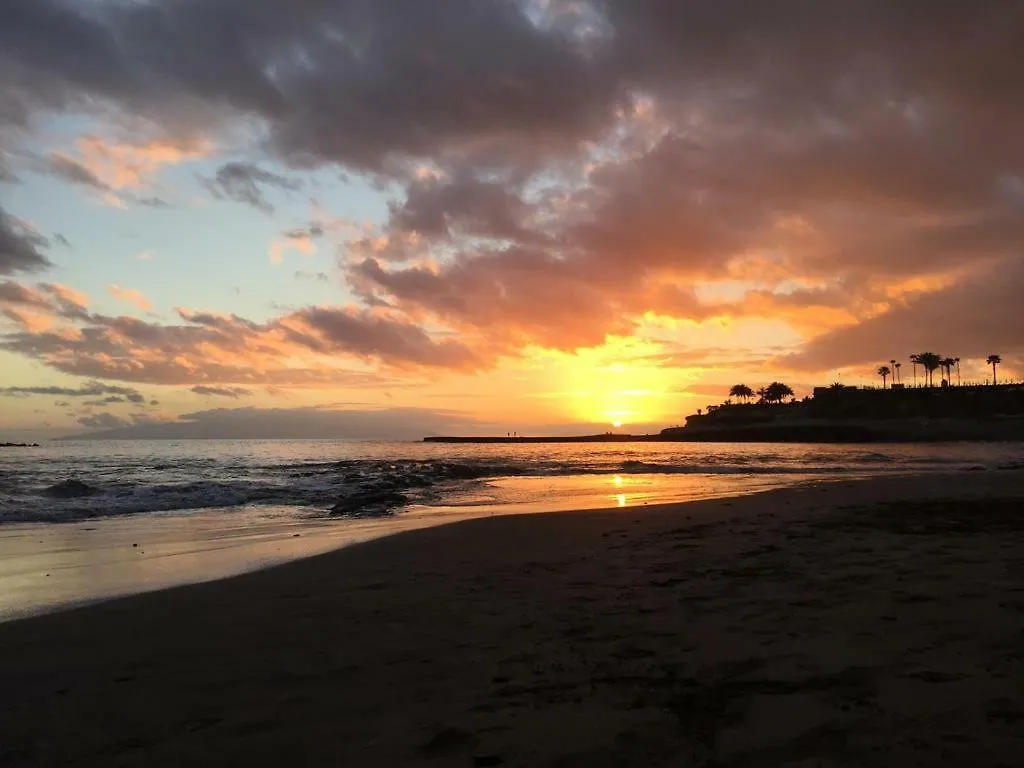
870	623
46	567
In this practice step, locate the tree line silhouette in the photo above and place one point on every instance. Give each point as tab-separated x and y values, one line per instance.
775	392
931	362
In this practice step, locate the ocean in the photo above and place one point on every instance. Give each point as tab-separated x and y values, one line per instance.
308	477
82	520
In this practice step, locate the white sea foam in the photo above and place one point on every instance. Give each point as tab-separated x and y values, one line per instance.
127	477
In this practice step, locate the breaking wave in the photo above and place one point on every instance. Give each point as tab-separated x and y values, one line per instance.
74	483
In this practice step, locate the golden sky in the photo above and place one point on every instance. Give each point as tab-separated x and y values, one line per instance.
400	218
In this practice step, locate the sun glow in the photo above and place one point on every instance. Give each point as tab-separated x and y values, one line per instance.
616	384
625	382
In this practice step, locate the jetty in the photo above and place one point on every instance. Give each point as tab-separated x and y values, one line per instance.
604	438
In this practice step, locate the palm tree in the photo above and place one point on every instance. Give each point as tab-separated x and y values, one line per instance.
896	369
948	363
915	359
957	361
775	392
993	360
931	362
884	372
741	391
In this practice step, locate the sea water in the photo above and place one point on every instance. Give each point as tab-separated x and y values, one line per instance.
81	520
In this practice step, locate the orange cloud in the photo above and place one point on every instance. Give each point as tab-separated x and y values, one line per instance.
131	296
317	346
125	165
67	295
32	322
301	242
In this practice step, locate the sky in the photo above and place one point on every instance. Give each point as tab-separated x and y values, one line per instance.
390	218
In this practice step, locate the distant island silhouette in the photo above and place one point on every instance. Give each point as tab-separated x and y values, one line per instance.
895	412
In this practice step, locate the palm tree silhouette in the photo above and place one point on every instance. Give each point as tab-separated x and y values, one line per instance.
915	359
775	392
896	369
948	363
993	360
930	362
741	391
895	378
884	371
957	361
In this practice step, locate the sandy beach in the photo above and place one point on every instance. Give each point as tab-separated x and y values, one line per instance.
875	622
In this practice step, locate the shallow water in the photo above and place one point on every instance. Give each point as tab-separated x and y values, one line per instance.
200	510
309	476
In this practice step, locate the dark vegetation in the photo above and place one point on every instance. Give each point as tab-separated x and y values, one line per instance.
924	409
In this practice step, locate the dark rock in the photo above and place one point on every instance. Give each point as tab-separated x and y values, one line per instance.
371	504
70	489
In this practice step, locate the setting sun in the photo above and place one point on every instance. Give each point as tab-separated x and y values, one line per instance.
613	384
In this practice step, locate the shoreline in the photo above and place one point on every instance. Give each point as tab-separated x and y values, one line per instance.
796	624
54	566
46	567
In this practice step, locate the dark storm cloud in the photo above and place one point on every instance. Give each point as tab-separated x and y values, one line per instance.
19	246
244	182
963	50
346	80
443	209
